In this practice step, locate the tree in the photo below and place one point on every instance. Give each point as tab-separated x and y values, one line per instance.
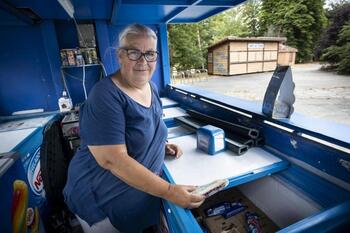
251	15
339	55
301	21
338	15
188	43
184	50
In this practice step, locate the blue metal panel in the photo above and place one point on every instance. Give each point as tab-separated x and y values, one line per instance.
84	9
239	104
327	129
173	14
221	2
160	2
323	158
195	102
129	11
335	219
324	193
115	11
147	14
330	131
106	47
46	9
194	12
52	51
9	15
101	9
211	13
25	70
74	80
182	219
164	49
258	173
170	122
67	35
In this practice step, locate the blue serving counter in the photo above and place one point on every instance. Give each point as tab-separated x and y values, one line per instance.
279	176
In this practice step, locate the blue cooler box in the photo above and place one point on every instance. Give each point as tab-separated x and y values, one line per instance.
22	197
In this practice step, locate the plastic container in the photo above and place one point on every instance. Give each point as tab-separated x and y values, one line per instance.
65	104
210	139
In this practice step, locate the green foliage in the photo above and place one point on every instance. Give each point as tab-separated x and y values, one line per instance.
301	21
188	43
337	15
339	55
185	52
251	15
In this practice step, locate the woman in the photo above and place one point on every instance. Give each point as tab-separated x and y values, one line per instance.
113	180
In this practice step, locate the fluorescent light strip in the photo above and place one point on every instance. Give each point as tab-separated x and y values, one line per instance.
193	96
68	7
279	126
329	144
227	108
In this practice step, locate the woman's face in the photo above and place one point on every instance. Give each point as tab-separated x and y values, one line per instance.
137	73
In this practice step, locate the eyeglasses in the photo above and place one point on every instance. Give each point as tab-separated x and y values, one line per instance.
135	55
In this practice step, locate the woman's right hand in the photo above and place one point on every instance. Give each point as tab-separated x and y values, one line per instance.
182	195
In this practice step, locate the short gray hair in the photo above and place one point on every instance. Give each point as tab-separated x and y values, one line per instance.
136	30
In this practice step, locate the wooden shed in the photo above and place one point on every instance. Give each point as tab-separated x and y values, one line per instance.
235	55
286	55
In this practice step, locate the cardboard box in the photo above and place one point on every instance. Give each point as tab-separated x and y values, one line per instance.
236	223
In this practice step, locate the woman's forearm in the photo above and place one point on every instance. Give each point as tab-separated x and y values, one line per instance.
136	175
117	161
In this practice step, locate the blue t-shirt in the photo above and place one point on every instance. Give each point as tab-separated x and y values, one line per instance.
108	117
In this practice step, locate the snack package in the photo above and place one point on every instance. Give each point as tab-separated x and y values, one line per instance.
210	189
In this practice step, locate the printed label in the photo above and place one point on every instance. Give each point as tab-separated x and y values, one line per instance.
255	46
219	142
34	174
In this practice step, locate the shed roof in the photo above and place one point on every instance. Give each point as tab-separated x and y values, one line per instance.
285	48
244	39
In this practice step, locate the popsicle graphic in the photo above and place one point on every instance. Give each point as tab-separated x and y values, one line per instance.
34	227
19	206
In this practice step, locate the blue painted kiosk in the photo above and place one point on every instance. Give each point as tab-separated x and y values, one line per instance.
299	177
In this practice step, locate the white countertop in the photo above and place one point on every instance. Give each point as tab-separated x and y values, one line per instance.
195	167
168	102
173	112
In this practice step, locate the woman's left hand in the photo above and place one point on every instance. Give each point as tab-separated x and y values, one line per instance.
173	150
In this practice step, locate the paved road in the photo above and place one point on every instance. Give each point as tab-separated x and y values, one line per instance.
318	93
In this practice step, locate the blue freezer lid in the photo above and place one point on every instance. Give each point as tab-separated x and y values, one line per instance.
15	130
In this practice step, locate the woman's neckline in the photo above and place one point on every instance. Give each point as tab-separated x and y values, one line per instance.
129	97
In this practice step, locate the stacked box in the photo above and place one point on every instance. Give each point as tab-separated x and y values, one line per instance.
236	223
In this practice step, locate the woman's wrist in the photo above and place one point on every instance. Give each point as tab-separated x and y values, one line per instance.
166	195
